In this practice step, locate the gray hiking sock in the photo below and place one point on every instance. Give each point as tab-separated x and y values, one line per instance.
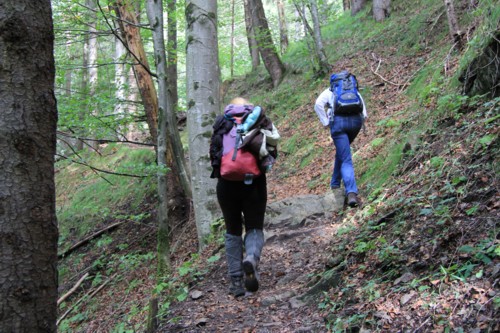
254	242
234	254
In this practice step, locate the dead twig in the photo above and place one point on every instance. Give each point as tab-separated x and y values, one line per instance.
72	290
380	76
89	294
89	238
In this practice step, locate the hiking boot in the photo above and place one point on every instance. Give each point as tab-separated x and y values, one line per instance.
251	275
236	287
352	199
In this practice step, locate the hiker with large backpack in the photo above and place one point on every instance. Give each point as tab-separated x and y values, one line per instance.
243	148
342	109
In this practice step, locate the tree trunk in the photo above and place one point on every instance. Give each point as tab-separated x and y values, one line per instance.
267	50
346	4
301	12
324	67
120	84
133	132
168	141
68	84
203	104
129	25
84	90
381	9
357	6
171	84
282	26
28	118
232	40
299	28
455	33
155	16
92	65
252	42
172	52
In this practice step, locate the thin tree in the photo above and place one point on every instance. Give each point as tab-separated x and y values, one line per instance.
203	104
28	226
346	4
172	51
120	80
168	136
320	61
232	40
323	66
455	33
130	26
267	49
357	6
283	26
381	9
252	42
92	63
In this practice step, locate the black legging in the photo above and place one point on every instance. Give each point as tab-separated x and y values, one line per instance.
242	203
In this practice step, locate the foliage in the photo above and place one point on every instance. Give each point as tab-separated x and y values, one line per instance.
98	197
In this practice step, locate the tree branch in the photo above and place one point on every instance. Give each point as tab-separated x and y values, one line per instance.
90	294
101	170
72	290
89	238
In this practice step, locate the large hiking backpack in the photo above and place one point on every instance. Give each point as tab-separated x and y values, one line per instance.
237	162
346	98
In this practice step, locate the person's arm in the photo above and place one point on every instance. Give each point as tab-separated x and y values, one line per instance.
365	113
319	107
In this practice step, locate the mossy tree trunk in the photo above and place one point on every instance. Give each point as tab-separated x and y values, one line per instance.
203	104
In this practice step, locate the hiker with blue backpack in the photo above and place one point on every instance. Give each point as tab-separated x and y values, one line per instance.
243	148
342	109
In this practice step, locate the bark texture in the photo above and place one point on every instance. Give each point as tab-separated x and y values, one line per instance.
252	42
381	9
129	25
323	66
203	104
455	33
357	6
174	184
346	4
283	26
28	118
267	50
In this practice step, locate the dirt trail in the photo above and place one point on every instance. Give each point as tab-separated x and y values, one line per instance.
290	258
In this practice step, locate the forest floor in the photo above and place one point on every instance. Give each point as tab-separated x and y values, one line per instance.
291	258
294	260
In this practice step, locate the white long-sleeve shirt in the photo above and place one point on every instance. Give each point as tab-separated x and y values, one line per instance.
327	97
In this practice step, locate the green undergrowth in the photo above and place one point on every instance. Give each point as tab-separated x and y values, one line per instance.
88	197
430	236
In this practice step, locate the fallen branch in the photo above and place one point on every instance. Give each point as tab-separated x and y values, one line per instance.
89	238
90	294
380	76
72	290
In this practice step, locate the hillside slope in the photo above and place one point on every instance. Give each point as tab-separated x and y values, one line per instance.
420	255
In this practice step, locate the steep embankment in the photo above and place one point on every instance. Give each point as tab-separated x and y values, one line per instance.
421	255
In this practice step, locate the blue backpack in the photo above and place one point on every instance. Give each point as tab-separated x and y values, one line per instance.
346	98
